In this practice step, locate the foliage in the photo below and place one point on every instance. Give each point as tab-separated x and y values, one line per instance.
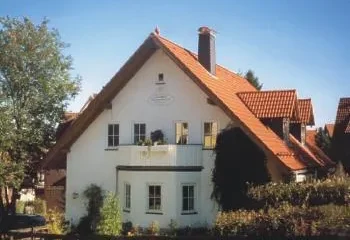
250	76
157	135
94	195
35	87
111	218
20	206
173	226
154	228
286	220
323	141
334	190
238	162
55	222
38	205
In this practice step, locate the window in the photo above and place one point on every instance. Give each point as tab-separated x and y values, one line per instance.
181	133
127	195
160	77
139	132
113	135
302	134
154	198
210	134
188	198
286	129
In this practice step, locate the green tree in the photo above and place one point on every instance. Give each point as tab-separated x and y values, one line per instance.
254	80
323	141
238	161
35	88
111	219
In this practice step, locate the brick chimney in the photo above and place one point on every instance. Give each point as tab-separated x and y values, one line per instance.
206	49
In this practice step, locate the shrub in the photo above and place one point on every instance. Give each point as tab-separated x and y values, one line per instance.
20	206
38	206
94	196
154	228
55	222
285	220
335	190
111	221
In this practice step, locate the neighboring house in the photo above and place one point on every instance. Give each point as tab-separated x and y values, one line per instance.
341	134
329	129
190	98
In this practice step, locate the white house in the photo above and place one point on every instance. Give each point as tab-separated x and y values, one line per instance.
189	98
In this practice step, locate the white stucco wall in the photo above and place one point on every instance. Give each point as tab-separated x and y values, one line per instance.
88	161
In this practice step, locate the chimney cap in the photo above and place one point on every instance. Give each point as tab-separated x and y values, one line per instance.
206	30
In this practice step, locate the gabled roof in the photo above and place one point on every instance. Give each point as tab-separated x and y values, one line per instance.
329	127
271	104
316	151
222	89
342	121
306	112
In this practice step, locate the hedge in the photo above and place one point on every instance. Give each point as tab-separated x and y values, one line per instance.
286	220
314	193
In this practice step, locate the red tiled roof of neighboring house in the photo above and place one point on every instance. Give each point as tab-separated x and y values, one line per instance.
329	127
343	112
347	129
306	113
310	142
271	104
69	116
222	89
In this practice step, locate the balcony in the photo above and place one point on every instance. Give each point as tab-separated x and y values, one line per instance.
161	155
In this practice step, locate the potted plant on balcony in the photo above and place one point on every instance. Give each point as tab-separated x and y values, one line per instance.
157	137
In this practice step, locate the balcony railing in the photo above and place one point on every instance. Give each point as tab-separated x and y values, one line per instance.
162	155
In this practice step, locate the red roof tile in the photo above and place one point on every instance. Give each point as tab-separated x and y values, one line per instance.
317	152
270	104
306	111
329	127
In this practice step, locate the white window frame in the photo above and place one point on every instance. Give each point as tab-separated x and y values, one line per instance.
108	135
194	198
212	134
126	197
139	128
148	185
188	132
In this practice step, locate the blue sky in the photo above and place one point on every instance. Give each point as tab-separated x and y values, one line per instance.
299	44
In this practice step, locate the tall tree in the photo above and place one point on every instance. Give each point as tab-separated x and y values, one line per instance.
35	87
238	161
254	80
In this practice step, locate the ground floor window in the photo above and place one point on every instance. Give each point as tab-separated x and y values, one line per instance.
188	197
154	197
127	195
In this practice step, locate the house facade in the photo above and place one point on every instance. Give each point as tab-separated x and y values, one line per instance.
164	88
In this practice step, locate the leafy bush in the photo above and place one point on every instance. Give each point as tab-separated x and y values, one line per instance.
94	196
285	220
335	190
20	206
55	221
111	220
154	228
38	206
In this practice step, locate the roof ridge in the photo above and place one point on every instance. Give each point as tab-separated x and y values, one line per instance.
268	91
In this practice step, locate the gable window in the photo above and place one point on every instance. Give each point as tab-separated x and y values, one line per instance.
188	198
210	134
160	77
286	129
113	135
127	196
181	133
303	133
139	132
154	197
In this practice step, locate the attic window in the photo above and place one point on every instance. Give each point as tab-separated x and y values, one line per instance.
160	78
